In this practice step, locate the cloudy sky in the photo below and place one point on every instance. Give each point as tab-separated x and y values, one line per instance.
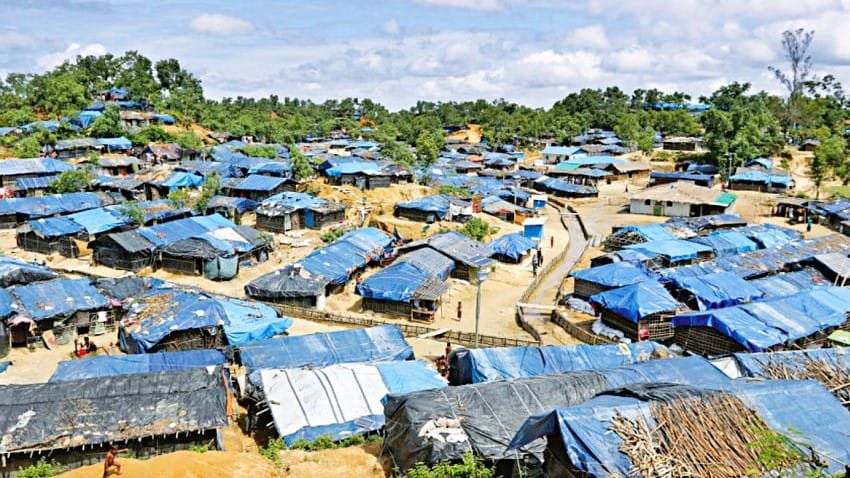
399	51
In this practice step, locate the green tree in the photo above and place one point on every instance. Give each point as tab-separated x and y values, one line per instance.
73	180
478	229
179	198
212	184
259	151
428	146
470	467
830	159
134	212
152	134
795	44
301	168
107	125
189	139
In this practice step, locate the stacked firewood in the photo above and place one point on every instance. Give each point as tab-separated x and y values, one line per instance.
834	375
708	436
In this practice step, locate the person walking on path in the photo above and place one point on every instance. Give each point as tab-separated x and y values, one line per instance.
459	310
809	225
551	242
534	265
539	257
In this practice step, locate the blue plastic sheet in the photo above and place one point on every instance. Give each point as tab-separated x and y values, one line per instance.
727	242
162	235
513	245
636	301
722	289
615	274
503	363
242	321
651	232
52	227
6	302
760	325
96	221
44	206
677	250
788	283
182	180
754	364
43	166
584	430
40	182
352	167
257	182
373	344
58	298
115	144
438	204
110	365
240	205
348	253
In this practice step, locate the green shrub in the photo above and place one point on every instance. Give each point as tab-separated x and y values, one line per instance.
478	229
199	448
272	450
332	235
470	467
40	469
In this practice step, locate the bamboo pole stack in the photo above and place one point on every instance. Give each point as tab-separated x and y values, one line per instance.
834	375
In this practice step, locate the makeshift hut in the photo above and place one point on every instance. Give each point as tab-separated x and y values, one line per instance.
641	311
657	178
436	425
74	423
292	211
13	169
15	271
112	365
61	309
504	363
290	285
713	291
257	187
174	319
411	287
668	253
308	403
773	181
512	248
470	256
16	211
126	250
639	429
433	208
804	319
29	187
594	280
348	254
231	207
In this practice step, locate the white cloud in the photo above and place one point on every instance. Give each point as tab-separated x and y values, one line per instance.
218	24
590	37
391	27
632	60
486	5
51	60
12	40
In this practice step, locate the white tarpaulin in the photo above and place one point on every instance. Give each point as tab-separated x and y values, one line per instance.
331	395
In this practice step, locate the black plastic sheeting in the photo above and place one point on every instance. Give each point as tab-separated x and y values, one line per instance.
288	282
60	415
194	248
5	339
13	271
126	287
491	413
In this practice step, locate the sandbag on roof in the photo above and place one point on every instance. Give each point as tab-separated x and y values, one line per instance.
339	400
583	433
110	365
500	363
420	425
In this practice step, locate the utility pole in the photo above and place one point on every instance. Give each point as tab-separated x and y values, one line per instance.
729	156
483	274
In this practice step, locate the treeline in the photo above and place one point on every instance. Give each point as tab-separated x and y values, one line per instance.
742	123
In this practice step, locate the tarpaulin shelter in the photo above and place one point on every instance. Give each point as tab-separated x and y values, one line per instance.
371	344
433	426
434	208
469	255
348	253
580	441
641	311
504	363
713	291
292	210
788	283
257	187
231	207
609	276
755	364
12	169
58	299
14	271
512	246
727	242
414	281
75	422
111	365
763	325
115	144
291	285
41	183
309	403
16	210
674	251
172	319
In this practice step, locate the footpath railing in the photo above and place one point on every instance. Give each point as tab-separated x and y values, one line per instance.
561	320
409	330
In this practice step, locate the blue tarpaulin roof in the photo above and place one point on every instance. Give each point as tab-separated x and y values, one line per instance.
6	302
114	144
351	251
650	232
184	310
98	220
760	325
561	186
372	344
111	365
15	271
271	167
713	291
28	184
676	249
504	363
43	166
239	205
257	182
400	281
758	176
55	227
584	430
616	274
352	167
182	180
693	176
788	283
42	206
58	298
636	301
513	245
438	204
727	242
755	364
163	234
764	162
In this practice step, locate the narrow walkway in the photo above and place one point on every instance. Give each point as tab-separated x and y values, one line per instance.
546	292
